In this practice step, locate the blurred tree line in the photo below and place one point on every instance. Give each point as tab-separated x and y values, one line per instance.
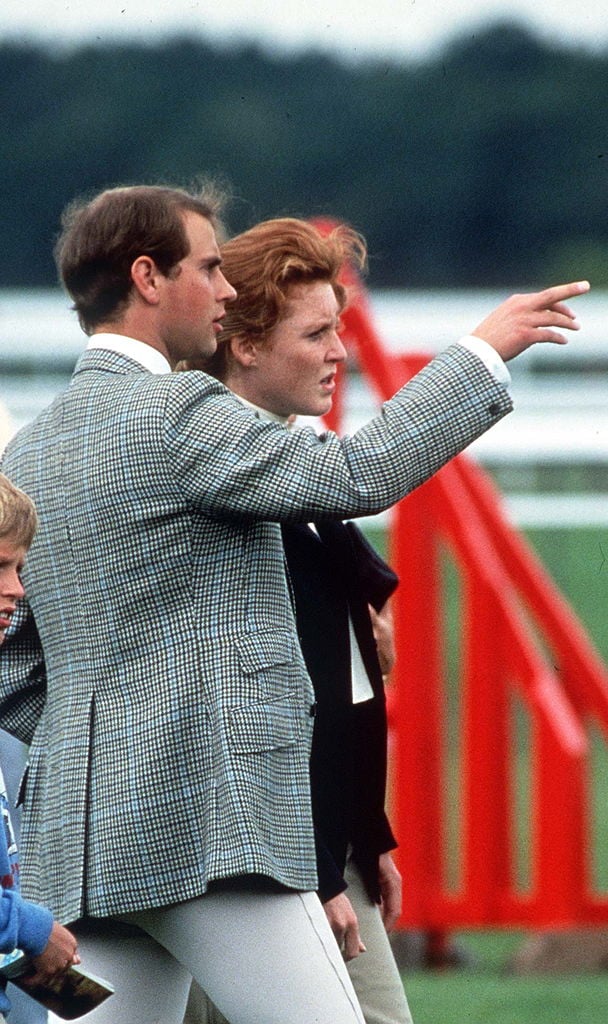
485	165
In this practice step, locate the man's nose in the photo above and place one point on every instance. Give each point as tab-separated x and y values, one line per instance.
227	292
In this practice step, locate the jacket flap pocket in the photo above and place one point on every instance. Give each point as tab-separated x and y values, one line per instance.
266	726
264	649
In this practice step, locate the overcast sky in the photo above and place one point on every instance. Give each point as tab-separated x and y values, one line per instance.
397	28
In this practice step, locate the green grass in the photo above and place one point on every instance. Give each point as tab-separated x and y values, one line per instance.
487	994
577	560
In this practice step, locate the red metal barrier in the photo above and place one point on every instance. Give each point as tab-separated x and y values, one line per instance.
494	829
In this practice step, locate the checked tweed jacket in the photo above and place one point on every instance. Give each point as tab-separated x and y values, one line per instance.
155	668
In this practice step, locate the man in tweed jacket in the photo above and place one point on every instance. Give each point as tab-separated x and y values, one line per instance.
155	669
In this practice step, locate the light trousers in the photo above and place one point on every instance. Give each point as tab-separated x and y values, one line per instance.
262	958
374	974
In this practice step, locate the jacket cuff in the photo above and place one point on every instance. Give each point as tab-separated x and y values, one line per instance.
331	879
35	924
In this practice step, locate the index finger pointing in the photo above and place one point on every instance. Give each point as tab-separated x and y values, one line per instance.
559	292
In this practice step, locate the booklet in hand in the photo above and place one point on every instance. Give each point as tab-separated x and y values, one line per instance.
69	996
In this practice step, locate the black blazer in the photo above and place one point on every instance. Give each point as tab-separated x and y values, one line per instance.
332	574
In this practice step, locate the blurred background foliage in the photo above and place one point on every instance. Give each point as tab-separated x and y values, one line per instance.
486	165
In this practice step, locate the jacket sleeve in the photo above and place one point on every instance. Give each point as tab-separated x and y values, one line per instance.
331	881
264	472
378	580
384	835
23	925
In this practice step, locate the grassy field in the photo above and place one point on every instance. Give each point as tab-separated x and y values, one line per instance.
486	993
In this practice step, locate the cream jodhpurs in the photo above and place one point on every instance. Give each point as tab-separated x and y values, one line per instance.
262	958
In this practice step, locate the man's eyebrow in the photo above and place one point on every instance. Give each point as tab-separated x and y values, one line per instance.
211	262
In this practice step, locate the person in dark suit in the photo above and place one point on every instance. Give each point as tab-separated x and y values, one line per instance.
335	577
278	352
155	667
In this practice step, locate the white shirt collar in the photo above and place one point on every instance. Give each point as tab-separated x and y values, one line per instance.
150	358
263	414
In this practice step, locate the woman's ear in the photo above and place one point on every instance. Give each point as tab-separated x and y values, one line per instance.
243	350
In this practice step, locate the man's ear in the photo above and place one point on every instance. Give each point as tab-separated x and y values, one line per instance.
243	350
145	276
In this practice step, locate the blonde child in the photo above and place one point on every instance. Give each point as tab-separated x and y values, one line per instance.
23	925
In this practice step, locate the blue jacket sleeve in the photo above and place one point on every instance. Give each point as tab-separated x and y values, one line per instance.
23	925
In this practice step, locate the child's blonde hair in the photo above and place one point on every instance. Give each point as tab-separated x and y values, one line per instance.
18	519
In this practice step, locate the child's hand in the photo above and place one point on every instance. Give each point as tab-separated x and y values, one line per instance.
60	953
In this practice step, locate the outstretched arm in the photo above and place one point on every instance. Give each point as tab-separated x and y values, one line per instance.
31	928
262	471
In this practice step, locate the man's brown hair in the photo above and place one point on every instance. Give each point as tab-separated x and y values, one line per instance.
102	237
